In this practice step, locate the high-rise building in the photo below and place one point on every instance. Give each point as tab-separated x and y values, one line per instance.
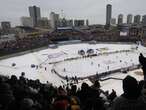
5	25
87	22
120	19
54	20
35	13
144	20
27	21
137	19
129	19
108	14
113	21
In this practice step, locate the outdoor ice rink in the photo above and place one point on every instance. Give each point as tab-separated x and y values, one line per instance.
66	61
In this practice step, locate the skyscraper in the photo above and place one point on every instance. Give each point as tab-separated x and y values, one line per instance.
35	14
137	19
113	22
5	25
87	22
108	14
129	19
144	20
120	19
54	20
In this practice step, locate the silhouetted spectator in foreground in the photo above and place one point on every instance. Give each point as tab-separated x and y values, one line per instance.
142	61
6	96
112	95
130	99
97	86
90	99
143	91
62	100
73	91
26	104
74	103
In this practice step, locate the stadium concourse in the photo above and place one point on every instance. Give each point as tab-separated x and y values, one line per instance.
79	61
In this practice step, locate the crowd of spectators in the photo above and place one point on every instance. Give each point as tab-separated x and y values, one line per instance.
24	94
22	44
32	42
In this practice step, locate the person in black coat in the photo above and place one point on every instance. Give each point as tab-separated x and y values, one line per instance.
142	61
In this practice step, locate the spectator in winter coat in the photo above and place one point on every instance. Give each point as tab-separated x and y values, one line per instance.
142	61
97	86
6	95
130	99
26	104
143	92
90	99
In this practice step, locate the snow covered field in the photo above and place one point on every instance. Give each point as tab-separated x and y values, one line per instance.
39	65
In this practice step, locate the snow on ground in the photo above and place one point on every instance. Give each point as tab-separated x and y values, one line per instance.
117	84
80	67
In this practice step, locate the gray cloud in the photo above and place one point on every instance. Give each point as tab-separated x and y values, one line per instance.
94	10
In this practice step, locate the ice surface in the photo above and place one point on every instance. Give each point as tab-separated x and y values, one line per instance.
80	67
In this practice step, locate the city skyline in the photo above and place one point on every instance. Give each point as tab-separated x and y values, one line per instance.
94	10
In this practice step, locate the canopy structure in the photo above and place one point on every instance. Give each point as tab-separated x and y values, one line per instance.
81	52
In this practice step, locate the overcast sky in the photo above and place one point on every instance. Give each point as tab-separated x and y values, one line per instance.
94	10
